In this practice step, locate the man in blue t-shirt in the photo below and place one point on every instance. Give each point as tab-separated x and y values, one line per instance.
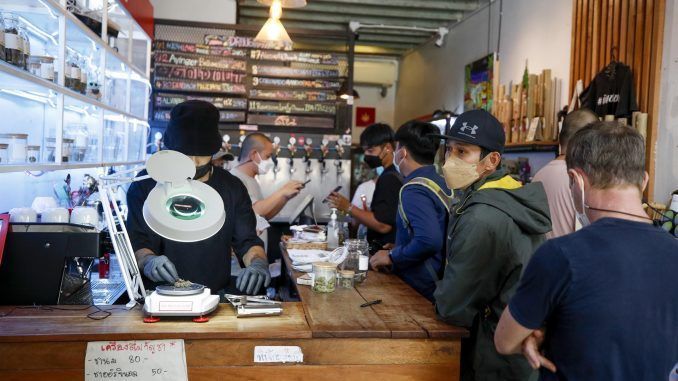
601	303
417	257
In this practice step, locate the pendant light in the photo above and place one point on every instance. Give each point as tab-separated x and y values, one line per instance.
285	3
344	93
273	30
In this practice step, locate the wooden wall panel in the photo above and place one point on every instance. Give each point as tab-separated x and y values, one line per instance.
633	30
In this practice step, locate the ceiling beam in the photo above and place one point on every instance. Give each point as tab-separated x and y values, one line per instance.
383	44
360	11
362	37
338	48
445	5
312	18
339	27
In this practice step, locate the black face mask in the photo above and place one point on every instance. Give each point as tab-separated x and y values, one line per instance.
372	161
202	170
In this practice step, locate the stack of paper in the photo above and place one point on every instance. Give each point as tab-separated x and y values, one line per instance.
302	260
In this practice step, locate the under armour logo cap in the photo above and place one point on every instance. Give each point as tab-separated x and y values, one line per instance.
480	128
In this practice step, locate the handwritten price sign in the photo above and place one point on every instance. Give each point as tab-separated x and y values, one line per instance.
136	360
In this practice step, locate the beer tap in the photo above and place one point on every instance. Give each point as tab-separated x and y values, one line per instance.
308	148
225	145
239	145
324	151
293	150
340	154
276	152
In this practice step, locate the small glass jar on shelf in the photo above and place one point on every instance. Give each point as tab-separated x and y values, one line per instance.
66	148
72	71
82	88
16	147
4	153
2	38
42	66
79	134
32	154
25	45
14	45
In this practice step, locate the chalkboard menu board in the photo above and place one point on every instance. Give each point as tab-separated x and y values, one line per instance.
250	83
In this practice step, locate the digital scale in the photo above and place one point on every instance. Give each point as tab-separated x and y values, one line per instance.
167	300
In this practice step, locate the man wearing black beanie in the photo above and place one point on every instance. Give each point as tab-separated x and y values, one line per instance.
193	130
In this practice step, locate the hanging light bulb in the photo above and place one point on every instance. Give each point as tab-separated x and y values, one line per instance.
285	3
273	30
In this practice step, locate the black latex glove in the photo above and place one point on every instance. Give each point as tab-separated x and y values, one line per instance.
160	269
254	276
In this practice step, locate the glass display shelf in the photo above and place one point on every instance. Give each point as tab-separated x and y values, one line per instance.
59	167
80	99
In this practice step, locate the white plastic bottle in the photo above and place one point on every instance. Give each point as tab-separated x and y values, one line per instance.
333	231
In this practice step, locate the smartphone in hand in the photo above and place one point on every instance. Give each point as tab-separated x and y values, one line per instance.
337	189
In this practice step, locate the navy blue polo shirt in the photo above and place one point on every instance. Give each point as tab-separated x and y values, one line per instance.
424	240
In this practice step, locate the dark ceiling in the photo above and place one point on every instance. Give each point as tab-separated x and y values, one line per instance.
335	15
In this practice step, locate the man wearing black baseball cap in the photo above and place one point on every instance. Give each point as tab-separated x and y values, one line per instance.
492	233
193	130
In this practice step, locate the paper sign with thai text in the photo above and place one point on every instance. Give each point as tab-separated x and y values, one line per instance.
280	354
136	360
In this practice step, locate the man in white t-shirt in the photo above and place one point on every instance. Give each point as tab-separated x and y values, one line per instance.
255	159
555	179
365	189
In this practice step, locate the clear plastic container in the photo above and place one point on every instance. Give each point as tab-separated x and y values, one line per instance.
16	150
33	154
4	154
324	277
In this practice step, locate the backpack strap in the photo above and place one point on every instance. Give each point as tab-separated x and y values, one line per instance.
429	184
444	198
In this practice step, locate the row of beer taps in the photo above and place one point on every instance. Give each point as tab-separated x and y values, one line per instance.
303	146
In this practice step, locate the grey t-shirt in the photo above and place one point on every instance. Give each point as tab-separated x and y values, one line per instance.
252	185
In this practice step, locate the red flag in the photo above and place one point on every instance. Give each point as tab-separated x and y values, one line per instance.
364	116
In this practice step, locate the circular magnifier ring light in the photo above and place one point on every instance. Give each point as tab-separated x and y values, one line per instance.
186	212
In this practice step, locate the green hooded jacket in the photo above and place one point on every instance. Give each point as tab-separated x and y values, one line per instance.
492	234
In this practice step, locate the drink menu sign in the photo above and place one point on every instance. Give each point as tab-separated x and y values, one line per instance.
248	81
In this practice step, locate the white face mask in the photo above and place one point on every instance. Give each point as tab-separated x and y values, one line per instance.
396	163
264	166
459	174
582	219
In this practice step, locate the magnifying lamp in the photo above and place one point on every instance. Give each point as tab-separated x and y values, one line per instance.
178	208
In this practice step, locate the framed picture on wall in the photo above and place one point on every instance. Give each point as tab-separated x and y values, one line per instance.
478	84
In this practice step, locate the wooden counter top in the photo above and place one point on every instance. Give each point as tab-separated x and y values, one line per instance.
399	339
403	313
70	323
